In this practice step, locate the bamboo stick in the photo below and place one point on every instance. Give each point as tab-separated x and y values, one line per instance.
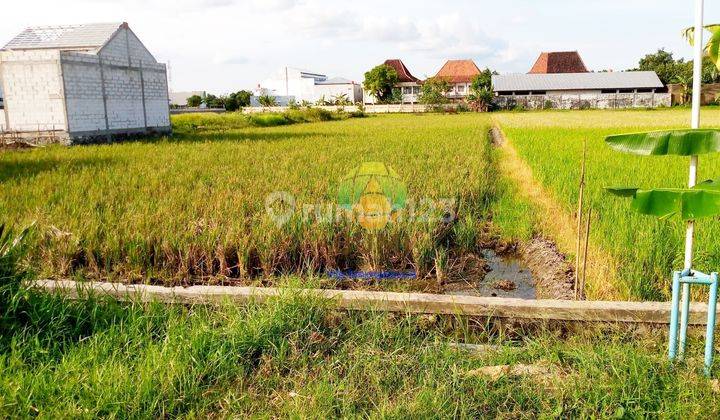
585	254
579	219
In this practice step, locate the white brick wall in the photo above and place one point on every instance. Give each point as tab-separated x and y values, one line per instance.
33	90
123	87
83	92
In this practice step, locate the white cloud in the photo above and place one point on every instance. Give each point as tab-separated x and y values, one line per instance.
221	58
223	45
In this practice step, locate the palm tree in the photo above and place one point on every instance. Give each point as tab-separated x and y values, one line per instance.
267	100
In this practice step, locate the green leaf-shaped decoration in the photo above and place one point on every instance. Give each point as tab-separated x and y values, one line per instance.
690	203
672	142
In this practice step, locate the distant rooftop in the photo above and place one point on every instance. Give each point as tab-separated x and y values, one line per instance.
91	35
335	81
559	62
576	81
403	73
458	71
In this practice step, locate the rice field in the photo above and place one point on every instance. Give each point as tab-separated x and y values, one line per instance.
200	207
194	208
645	250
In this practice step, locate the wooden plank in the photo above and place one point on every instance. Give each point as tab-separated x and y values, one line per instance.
546	309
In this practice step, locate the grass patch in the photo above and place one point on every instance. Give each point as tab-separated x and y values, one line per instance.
294	357
190	123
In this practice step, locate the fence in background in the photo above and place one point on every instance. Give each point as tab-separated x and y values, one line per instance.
584	101
370	109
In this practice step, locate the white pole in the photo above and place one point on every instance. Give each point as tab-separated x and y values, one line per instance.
695	124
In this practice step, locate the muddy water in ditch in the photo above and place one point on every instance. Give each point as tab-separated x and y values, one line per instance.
506	277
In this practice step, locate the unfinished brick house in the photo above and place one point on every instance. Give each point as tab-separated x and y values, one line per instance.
80	83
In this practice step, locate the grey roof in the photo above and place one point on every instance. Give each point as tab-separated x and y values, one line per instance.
576	81
91	35
335	81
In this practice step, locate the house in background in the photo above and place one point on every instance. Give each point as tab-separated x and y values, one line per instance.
336	87
460	74
558	62
408	84
82	82
631	89
180	99
300	85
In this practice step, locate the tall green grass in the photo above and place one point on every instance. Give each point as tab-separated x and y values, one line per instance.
646	249
185	123
299	358
193	206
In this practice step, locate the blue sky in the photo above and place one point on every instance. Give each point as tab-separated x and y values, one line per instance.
227	45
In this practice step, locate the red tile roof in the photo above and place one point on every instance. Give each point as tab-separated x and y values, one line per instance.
559	62
404	75
458	71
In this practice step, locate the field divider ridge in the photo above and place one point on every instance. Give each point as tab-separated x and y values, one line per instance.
557	222
420	303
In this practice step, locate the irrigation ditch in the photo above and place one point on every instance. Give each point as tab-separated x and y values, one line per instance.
558	224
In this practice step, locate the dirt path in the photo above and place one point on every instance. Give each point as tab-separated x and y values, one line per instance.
557	223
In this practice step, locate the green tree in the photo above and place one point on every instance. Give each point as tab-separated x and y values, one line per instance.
231	103
434	92
481	91
194	101
379	81
663	63
396	97
267	100
243	98
212	101
341	99
237	100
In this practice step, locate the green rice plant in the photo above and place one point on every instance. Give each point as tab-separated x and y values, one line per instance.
268	120
194	206
647	250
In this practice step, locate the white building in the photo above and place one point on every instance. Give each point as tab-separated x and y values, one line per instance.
408	84
301	85
83	82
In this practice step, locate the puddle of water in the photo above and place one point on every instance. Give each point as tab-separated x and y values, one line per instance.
506	278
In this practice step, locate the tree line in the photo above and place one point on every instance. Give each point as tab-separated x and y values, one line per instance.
230	102
672	71
380	82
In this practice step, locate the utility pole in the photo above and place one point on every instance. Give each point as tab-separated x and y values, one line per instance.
692	179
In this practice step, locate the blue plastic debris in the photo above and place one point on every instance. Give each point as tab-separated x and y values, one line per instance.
381	275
